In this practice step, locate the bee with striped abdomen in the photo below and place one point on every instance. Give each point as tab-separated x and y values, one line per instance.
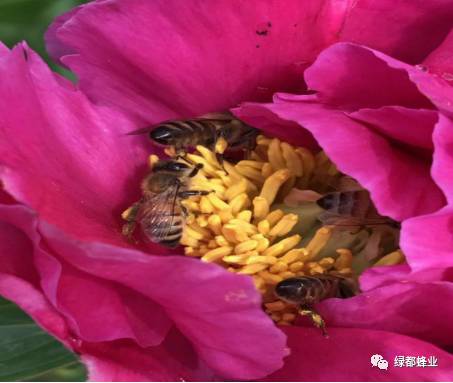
159	212
307	291
205	130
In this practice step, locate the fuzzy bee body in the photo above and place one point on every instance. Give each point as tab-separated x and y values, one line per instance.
159	212
309	290
204	130
351	208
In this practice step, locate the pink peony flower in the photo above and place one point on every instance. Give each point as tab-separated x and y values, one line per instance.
67	170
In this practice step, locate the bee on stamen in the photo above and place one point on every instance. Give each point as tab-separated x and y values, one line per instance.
307	291
206	131
159	212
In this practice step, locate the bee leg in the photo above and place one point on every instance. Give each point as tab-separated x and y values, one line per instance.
315	318
130	216
190	193
195	170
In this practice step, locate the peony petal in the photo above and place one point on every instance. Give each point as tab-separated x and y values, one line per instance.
440	61
345	356
195	295
158	60
412	127
351	77
405	306
408	30
80	297
427	241
120	361
382	168
62	156
442	169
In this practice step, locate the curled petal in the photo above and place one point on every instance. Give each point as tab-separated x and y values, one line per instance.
345	356
440	61
442	169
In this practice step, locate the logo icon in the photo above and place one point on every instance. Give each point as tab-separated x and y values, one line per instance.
379	362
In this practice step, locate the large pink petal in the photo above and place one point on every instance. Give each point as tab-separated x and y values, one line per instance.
440	60
345	356
406	29
405	306
381	167
427	241
120	361
413	127
158	60
207	303
442	169
67	159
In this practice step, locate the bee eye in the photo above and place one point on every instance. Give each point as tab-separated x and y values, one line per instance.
177	166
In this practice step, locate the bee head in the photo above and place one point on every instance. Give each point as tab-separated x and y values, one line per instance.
292	290
163	135
171	166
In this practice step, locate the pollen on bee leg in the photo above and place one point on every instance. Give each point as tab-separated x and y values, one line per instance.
152	160
170	151
221	145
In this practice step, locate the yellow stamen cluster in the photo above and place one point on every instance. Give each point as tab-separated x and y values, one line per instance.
236	227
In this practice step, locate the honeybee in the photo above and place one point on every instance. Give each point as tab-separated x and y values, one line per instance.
159	212
205	130
307	291
351	208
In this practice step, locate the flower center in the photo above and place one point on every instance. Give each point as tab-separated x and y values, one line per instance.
284	213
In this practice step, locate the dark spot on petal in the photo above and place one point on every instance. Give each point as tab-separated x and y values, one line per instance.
262	32
269	24
25	54
295	25
257	46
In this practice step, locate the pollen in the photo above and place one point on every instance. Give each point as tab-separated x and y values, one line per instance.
245	225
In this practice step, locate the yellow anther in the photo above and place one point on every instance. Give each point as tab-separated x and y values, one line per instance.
263	244
326	262
316	270
252	164
283	246
296	266
344	259
287	274
269	277
292	160
126	213
232	171
278	267
269	260
251	173
189	251
208	156
274	154
274	216
221	240
187	240
245	226
217	254
239	202
264	227
205	233
246	246
259	282
226	215
217	202
275	306
234	233
152	160
267	170
284	226
221	145
202	220
236	189
393	258
273	184
191	232
260	208
319	240
205	206
207	167
295	255
245	215
252	269
236	259
215	224
190	205
263	140
212	244
308	161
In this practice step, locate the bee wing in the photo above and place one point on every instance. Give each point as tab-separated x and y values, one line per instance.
158	214
329	218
